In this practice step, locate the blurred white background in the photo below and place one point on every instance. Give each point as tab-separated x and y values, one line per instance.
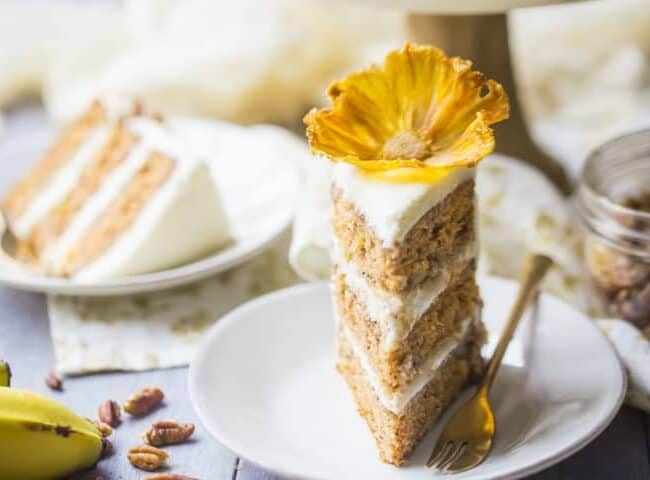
583	68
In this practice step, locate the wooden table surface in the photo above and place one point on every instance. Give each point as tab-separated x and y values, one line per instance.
621	452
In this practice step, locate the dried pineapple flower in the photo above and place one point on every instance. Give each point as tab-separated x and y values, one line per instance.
413	119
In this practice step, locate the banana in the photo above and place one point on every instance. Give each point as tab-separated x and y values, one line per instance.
5	374
41	439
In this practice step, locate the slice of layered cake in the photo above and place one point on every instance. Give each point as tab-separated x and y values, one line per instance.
119	193
406	138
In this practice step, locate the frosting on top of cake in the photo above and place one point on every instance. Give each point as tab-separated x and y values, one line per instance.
392	209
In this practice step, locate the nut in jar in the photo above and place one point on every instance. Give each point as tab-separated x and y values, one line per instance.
614	204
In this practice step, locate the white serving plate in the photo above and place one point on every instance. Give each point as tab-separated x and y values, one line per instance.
258	197
264	385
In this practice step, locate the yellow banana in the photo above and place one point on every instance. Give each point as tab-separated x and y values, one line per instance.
41	439
5	374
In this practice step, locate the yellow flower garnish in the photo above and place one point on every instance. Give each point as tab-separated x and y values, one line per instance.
411	120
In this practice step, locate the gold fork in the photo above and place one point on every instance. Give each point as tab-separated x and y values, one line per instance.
467	437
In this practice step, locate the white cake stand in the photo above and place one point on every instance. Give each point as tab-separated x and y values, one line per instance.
478	30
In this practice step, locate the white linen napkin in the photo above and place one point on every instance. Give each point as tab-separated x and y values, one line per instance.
156	330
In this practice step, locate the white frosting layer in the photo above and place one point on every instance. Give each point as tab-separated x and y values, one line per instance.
54	256
396	402
391	209
397	314
184	219
63	181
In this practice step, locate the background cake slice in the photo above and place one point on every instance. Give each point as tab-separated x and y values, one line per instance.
406	138
119	193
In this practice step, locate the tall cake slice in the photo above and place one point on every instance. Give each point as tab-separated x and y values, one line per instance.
119	193
406	138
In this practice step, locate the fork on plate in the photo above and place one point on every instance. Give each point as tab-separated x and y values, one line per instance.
467	437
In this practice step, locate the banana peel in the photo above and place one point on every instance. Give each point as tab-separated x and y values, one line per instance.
5	374
41	439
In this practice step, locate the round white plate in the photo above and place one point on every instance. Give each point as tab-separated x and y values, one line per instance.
257	180
264	385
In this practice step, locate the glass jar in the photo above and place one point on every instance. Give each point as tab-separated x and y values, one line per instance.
613	202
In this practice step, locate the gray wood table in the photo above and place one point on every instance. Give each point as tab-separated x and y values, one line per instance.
621	452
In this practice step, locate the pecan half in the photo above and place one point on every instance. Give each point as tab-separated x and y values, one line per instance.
103	428
144	401
146	457
53	382
168	432
169	476
110	413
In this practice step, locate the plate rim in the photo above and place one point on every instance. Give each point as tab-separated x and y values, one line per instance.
184	274
231	317
135	284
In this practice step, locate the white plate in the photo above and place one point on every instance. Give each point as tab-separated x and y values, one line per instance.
258	197
264	385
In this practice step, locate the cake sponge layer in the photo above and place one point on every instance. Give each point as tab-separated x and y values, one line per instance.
430	245
16	203
451	318
50	227
397	435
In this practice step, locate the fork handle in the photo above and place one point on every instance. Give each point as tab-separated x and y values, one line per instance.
533	272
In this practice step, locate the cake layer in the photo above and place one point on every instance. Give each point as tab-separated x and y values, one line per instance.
20	200
451	319
392	209
186	202
121	215
429	246
49	228
397	434
397	313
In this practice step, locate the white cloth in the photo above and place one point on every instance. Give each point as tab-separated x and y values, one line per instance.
591	80
156	330
634	350
248	61
34	32
309	251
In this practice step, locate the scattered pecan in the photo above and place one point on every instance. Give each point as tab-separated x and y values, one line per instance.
146	457
107	448
103	428
169	476
168	432
110	413
53	382
144	401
